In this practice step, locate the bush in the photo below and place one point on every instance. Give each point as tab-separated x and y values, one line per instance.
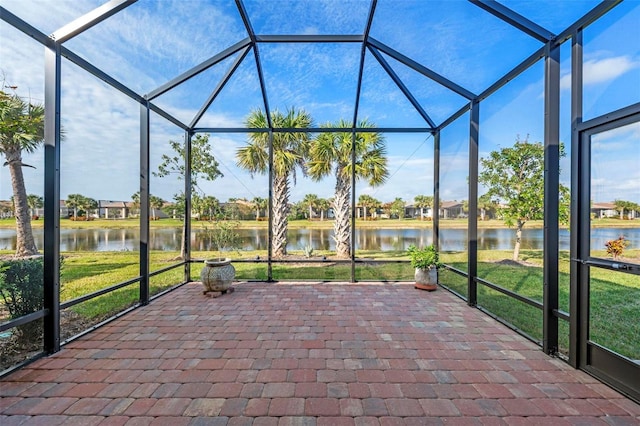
21	289
616	247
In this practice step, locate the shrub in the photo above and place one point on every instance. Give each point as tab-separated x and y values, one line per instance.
21	289
424	258
616	247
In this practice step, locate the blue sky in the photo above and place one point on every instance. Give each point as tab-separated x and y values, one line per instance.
152	41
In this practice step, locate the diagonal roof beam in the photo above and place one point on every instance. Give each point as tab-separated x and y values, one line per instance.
220	86
401	86
256	54
97	72
519	69
588	18
367	29
199	68
520	22
421	69
90	19
26	28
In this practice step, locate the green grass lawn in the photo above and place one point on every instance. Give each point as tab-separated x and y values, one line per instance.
615	297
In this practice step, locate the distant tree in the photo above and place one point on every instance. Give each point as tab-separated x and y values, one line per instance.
155	203
260	204
323	206
297	211
387	208
231	209
87	204
73	202
368	203
135	198
622	205
397	208
290	152
311	201
196	205
333	153
203	166
21	129
515	176
34	202
211	206
486	205
423	202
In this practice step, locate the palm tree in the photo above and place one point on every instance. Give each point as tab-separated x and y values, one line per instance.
34	202
155	203
289	152
260	204
368	202
423	202
622	205
21	129
73	202
136	202
323	206
332	153
211	206
311	201
86	204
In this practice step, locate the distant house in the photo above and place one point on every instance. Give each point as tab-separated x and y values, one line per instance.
109	209
603	210
6	209
416	212
451	209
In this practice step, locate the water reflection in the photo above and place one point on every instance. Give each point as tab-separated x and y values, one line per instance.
168	239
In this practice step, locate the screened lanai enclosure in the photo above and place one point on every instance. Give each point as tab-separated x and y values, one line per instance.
326	137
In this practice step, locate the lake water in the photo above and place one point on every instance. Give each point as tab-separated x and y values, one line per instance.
320	239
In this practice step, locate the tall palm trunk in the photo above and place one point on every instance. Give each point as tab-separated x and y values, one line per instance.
25	245
342	223
280	212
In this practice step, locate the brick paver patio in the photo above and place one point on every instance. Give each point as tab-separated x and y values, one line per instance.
307	354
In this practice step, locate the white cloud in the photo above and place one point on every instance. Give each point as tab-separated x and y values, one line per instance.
596	71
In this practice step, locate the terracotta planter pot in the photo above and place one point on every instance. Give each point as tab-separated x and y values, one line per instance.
217	274
426	279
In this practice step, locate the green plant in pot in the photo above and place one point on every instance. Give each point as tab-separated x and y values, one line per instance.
218	273
426	263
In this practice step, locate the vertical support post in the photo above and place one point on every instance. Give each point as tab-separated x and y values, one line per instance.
352	237
435	210
187	206
472	231
270	231
51	294
576	239
551	197
144	203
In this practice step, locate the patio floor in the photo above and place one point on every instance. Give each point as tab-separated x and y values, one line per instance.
307	354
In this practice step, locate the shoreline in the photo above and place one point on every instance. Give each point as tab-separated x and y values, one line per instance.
317	224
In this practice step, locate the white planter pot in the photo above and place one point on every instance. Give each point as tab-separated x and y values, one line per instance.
426	279
217	274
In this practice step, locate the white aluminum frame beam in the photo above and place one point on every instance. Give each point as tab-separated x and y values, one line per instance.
90	19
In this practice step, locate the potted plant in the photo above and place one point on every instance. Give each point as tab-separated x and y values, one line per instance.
426	263
218	273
